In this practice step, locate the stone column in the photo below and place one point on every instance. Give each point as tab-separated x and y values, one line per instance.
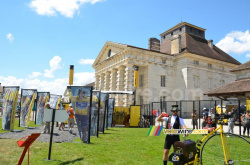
128	85
101	82
106	81
120	85
113	79
97	82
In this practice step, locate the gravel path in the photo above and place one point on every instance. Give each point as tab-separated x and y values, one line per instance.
58	136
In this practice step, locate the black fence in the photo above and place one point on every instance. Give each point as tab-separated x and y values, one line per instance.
187	107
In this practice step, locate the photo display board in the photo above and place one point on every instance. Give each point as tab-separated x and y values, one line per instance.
10	95
81	100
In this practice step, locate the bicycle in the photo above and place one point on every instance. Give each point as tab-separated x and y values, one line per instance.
228	144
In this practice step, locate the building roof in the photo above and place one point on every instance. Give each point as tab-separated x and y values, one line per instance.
234	88
181	24
91	85
197	45
244	66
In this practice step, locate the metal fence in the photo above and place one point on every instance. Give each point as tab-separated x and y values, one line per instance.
187	107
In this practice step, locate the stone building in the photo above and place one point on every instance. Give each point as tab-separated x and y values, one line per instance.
182	66
240	88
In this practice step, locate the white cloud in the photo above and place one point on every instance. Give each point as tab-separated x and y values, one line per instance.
54	65
87	61
66	8
55	86
34	74
10	37
83	78
248	56
236	42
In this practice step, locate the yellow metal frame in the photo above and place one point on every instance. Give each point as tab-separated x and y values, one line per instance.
197	160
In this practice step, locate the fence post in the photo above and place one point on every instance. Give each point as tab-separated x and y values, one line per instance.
199	113
239	117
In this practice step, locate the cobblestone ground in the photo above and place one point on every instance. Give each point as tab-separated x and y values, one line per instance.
58	136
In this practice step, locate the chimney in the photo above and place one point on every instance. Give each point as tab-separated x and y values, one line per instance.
176	44
154	44
210	43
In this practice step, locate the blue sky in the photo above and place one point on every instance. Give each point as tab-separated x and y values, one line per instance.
39	39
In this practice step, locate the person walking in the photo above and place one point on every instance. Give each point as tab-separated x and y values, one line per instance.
71	120
194	117
245	118
62	125
173	122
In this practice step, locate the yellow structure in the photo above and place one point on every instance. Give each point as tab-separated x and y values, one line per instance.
135	112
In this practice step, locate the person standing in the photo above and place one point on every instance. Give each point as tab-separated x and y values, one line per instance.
231	122
173	122
62	125
71	120
205	116
213	117
245	118
194	117
46	127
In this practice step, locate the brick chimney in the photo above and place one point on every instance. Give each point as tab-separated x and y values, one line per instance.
210	43
154	44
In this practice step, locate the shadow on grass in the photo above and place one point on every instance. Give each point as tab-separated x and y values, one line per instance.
72	161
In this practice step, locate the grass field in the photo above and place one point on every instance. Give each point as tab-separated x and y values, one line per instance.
124	146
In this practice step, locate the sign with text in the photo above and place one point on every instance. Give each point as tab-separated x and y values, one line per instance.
60	116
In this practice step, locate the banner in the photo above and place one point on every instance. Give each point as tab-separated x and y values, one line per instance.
42	98
102	112
120	114
135	112
95	113
28	97
248	104
110	111
10	95
81	103
54	100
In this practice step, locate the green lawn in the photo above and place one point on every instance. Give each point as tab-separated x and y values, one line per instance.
16	126
124	146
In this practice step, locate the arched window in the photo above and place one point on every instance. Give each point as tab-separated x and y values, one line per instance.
109	54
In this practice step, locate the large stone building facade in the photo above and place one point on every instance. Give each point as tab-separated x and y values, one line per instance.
182	66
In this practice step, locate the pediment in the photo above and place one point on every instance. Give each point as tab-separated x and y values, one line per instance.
109	49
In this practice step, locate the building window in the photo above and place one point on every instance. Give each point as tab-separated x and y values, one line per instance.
191	29
163	81
141	100
172	33
209	65
222	82
141	78
180	29
164	37
163	98
196	81
163	61
210	83
109	54
222	68
196	62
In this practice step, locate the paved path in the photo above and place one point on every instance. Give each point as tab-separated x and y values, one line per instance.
58	136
